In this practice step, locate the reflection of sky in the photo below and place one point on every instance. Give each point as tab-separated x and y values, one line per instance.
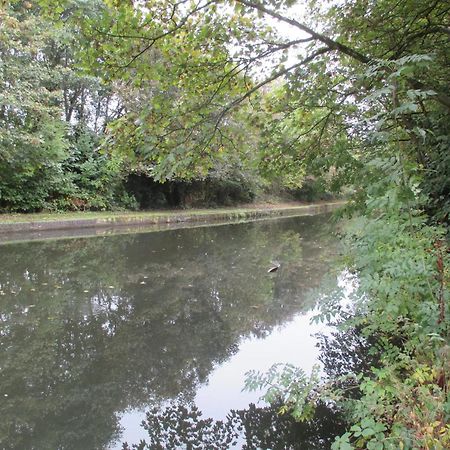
291	343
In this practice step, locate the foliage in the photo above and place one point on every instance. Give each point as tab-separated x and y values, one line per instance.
98	178
49	156
287	385
172	131
32	135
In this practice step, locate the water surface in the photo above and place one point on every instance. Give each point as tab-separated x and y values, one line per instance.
94	332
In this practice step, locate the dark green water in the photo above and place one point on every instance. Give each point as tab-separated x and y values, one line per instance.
94	332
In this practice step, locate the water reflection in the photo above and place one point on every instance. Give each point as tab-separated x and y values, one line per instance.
183	426
90	328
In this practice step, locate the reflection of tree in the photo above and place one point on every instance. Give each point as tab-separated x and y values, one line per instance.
346	353
265	428
180	426
89	327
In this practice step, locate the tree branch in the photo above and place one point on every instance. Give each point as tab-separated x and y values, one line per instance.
332	44
274	77
444	99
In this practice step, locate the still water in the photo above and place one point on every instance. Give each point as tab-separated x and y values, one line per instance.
95	332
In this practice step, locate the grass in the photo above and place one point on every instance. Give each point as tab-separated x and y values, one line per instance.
80	215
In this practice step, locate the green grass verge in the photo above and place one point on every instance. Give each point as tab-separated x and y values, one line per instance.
81	215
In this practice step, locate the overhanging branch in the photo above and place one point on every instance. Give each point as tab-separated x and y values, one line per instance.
332	44
274	77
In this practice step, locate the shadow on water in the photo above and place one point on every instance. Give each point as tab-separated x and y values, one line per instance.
90	328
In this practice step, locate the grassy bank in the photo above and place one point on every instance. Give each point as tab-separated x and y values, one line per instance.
15	224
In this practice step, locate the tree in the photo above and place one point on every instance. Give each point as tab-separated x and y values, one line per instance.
51	120
32	134
327	75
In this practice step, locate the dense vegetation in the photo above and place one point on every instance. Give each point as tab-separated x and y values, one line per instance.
74	138
195	91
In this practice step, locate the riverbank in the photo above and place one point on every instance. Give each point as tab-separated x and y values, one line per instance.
24	226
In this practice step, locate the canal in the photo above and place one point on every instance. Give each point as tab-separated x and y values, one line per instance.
100	334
